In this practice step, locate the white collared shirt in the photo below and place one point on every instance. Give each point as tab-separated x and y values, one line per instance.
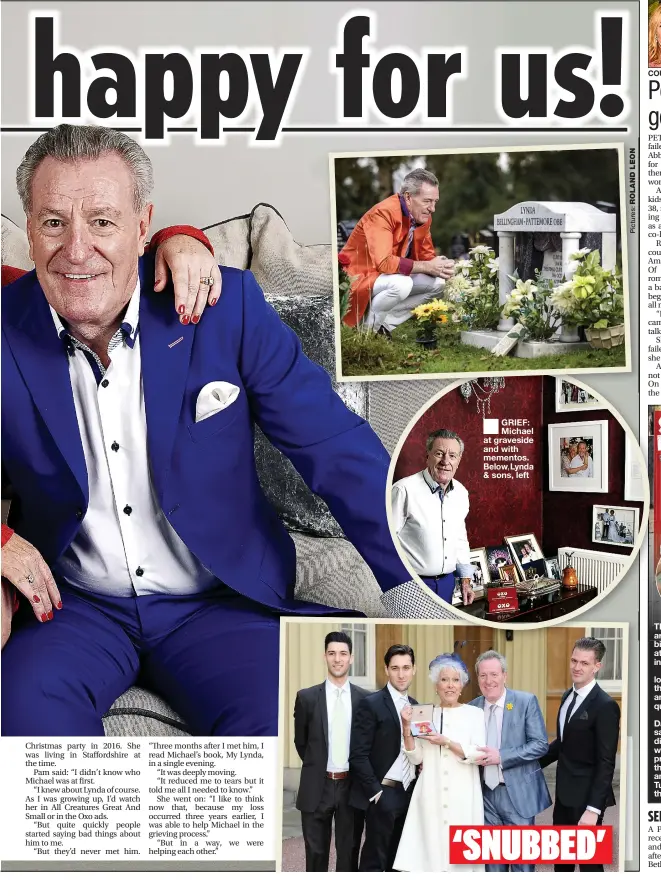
331	700
499	711
431	530
396	773
581	693
125	546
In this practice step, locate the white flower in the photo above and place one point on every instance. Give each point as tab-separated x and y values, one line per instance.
493	265
480	250
580	254
463	266
523	289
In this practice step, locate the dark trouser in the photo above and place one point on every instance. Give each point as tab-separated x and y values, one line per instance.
196	651
383	828
317	828
443	586
499	810
571	815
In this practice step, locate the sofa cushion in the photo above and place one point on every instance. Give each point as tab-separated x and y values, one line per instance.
231	241
15	247
139	713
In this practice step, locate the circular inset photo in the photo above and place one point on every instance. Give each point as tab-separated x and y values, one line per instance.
520	500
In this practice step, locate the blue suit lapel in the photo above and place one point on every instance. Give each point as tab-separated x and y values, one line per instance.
506	720
42	358
165	348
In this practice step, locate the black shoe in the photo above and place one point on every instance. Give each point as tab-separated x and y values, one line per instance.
383	332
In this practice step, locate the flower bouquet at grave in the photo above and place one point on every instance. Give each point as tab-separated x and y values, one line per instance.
345	282
593	298
429	317
474	290
529	304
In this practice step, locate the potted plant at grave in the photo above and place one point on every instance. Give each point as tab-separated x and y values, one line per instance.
474	290
429	316
530	305
594	299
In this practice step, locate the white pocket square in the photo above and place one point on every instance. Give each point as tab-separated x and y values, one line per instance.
214	397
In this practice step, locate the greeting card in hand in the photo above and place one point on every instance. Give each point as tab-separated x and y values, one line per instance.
422	721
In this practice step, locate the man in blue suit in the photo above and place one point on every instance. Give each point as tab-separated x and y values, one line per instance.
513	784
128	441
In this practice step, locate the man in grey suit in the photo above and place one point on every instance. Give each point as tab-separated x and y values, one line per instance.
513	784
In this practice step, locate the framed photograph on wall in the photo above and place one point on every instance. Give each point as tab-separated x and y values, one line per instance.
578	456
615	525
525	551
572	397
634	471
478	559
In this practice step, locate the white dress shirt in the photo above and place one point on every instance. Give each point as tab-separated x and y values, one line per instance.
431	530
500	709
396	772
125	546
331	701
581	695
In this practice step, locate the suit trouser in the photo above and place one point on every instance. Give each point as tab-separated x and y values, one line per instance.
317	828
384	822
571	815
499	810
394	296
212	657
443	586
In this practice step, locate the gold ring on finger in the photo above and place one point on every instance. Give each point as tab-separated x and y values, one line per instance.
30	578
206	281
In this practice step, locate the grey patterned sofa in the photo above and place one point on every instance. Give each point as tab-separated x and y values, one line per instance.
297	281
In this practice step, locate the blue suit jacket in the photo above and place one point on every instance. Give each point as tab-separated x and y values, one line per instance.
204	473
523	741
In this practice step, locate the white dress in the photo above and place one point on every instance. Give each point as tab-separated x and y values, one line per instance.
448	791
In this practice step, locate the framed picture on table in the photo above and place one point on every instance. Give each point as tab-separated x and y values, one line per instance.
525	552
578	456
478	559
497	555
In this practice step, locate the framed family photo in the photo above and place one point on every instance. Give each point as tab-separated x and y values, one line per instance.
497	556
615	525
578	456
478	559
525	552
552	568
573	397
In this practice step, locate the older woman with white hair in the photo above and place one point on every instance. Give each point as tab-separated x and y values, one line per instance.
448	789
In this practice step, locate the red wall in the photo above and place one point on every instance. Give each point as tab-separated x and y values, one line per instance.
520	506
567	518
498	507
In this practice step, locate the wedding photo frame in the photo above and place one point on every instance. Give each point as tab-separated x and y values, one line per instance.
615	525
578	456
552	567
525	551
478	558
573	397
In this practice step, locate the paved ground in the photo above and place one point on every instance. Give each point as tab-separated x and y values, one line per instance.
293	849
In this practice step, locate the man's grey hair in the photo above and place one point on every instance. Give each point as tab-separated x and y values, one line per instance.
69	142
415	179
490	655
443	434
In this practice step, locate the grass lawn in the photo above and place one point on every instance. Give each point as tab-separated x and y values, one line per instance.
364	354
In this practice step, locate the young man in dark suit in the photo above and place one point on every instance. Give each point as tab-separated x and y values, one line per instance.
383	777
585	748
322	728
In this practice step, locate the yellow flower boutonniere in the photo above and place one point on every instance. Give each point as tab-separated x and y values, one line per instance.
509	706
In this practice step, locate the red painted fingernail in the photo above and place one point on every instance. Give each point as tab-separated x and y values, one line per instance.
59	606
35	598
195	318
181	309
50	615
185	319
212	301
44	617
